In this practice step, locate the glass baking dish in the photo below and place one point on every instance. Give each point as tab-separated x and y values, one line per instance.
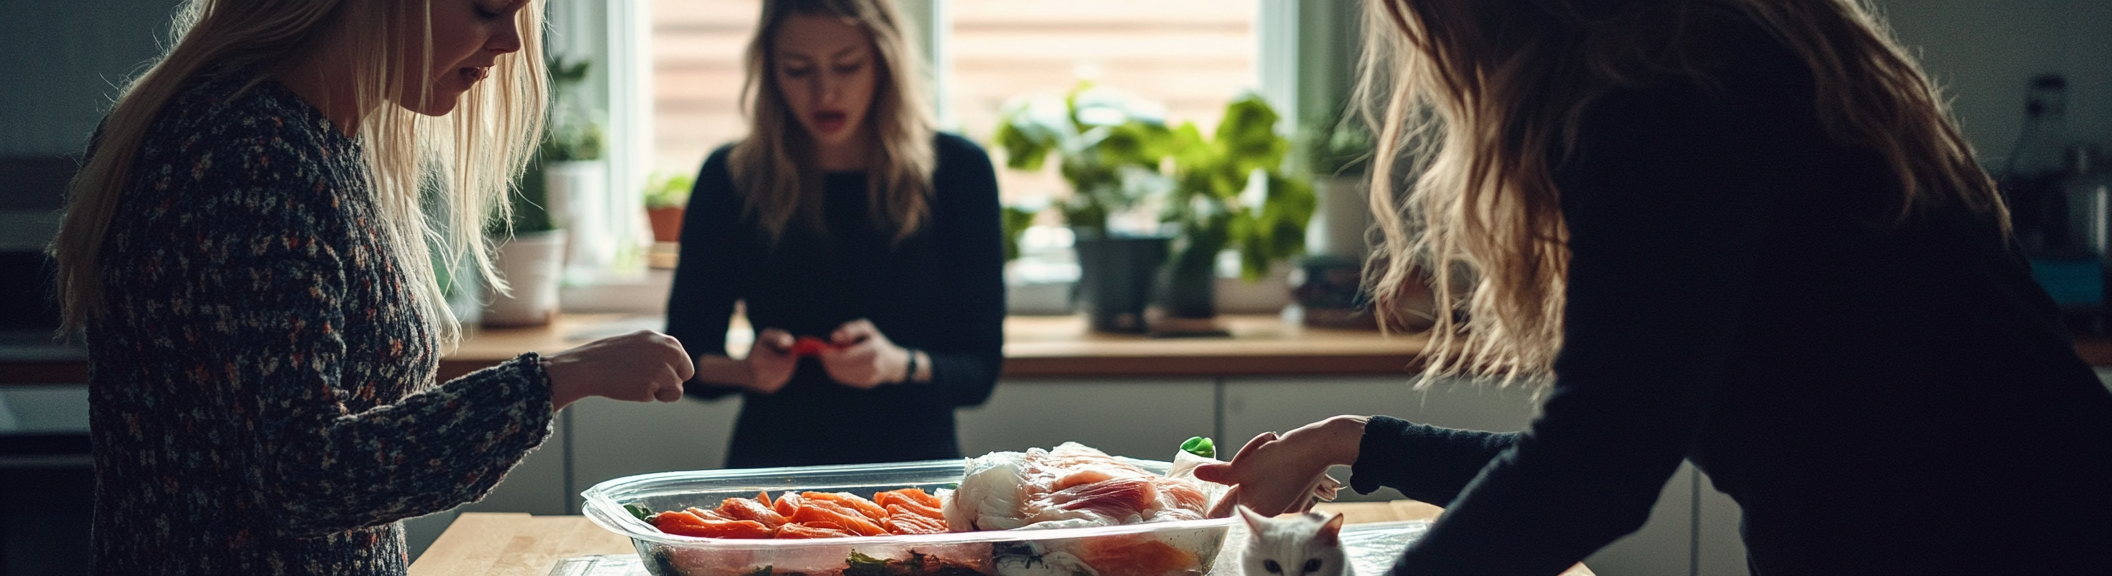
1152	549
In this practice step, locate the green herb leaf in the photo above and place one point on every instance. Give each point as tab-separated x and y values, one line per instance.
641	512
1200	446
862	565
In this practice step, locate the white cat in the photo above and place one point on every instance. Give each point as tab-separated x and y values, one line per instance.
1308	544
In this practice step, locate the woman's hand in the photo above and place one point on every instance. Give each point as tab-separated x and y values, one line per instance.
770	361
1274	475
638	367
863	357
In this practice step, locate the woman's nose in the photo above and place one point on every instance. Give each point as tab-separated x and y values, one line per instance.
507	39
826	85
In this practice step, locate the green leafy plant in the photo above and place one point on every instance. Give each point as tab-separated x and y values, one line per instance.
1337	145
573	134
1109	148
1115	149
1234	190
668	190
529	201
1015	219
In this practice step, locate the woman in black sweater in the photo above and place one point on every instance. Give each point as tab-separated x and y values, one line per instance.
246	251
1743	233
844	218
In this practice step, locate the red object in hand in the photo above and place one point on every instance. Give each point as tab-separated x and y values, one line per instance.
809	346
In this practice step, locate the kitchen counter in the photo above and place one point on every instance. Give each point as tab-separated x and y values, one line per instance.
1049	346
488	544
1035	347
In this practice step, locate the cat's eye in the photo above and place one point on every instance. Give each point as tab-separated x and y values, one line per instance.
1272	566
1312	565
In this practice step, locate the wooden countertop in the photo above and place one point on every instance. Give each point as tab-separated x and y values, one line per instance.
489	544
1049	346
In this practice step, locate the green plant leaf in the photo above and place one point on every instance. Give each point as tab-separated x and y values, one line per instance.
1248	134
668	190
1015	220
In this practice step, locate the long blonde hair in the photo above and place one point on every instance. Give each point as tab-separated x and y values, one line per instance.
1473	97
471	156
774	165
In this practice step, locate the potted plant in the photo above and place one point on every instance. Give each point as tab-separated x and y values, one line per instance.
666	196
530	257
1233	190
1110	148
1338	155
575	177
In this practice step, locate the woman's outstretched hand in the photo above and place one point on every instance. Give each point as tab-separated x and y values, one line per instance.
863	357
638	367
1276	474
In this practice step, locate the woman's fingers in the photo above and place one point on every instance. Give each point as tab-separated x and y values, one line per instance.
777	339
1220	472
1227	505
639	367
853	332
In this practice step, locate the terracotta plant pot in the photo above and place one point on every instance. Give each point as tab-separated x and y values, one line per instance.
667	223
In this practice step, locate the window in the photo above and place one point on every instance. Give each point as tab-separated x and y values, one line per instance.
1191	55
698	48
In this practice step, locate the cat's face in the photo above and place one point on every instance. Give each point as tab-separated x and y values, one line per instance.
1307	544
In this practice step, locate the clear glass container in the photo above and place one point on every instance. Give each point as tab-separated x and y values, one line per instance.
1184	547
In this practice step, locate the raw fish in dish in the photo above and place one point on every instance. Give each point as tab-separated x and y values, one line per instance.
1072	486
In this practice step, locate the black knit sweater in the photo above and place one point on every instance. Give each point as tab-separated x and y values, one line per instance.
1880	397
262	388
941	291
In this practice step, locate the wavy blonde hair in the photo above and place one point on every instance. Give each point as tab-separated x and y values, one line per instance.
774	165
470	157
1472	98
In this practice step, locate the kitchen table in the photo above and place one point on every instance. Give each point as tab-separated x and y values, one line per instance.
486	544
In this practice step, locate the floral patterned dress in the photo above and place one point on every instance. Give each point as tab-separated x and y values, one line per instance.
262	386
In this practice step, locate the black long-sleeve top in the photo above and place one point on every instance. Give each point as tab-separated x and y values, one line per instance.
1878	397
941	290
261	387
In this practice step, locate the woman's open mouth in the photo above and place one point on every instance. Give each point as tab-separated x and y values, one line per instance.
471	74
829	122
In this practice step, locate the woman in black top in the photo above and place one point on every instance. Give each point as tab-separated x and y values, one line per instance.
842	217
246	251
1743	233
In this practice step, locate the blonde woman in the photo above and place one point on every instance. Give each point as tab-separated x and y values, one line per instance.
246	253
1741	233
844	219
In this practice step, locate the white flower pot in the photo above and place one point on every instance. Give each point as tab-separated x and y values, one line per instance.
531	263
579	201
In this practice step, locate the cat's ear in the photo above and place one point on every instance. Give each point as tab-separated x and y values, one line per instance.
1253	519
1331	530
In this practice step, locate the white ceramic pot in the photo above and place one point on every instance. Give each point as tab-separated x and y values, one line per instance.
1342	226
579	201
531	263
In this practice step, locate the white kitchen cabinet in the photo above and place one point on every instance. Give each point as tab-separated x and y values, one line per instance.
1718	545
536	485
1139	418
612	439
1254	405
1664	545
